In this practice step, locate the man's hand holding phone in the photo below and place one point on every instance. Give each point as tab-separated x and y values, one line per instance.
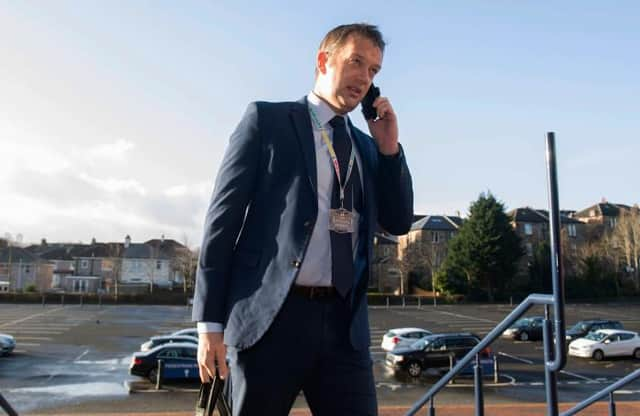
384	128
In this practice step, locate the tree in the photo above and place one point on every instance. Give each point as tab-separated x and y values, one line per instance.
626	238
540	269
485	251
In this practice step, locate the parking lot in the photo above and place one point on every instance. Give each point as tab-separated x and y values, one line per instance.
75	358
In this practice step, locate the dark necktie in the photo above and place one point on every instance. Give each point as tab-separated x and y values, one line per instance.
341	246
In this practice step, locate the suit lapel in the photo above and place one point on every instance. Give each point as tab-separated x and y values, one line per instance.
304	132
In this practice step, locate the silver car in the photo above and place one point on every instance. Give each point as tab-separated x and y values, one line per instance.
7	344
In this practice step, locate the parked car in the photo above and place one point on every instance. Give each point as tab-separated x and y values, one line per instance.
434	351
402	337
606	343
582	328
193	332
7	344
180	362
525	329
167	339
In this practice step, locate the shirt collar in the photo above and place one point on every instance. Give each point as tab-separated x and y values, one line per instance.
322	109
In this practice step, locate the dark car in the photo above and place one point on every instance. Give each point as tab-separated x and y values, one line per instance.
179	359
582	328
525	329
434	351
166	339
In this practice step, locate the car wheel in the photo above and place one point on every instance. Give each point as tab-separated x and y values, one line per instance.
524	336
598	355
636	354
414	368
153	375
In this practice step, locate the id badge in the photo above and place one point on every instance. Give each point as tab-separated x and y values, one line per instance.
341	220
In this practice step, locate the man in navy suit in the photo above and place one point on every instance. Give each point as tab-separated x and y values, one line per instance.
288	240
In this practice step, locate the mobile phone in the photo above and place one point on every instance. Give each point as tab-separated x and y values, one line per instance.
368	110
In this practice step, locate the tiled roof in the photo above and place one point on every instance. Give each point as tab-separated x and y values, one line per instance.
437	223
527	214
605	209
16	255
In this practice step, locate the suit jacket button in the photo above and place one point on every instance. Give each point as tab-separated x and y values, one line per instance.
296	264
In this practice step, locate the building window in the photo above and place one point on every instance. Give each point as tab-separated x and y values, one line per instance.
84	264
435	237
528	229
612	222
529	247
571	228
158	265
27	268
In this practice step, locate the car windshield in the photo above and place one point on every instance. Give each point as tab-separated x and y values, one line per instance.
579	327
595	336
522	322
420	344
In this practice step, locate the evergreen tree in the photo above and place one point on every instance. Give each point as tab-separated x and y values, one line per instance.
485	251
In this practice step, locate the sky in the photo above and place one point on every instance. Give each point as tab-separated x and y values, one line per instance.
114	115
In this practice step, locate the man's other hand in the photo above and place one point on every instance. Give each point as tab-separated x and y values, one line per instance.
212	352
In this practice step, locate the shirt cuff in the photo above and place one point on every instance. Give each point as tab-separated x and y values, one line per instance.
204	327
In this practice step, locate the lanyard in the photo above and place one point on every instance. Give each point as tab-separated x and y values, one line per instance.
334	158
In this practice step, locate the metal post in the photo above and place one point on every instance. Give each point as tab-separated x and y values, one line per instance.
100	301
453	380
549	375
432	409
612	405
403	304
477	384
62	300
4	404
557	276
159	374
435	298
496	369
387	302
419	302
81	300
43	301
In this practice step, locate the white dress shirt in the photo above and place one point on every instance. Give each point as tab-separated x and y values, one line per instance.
315	270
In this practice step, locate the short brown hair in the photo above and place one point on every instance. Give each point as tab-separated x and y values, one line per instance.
339	35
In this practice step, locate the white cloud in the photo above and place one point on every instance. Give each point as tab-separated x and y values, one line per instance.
114	185
113	152
200	189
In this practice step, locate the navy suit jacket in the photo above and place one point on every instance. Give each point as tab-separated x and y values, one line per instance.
262	213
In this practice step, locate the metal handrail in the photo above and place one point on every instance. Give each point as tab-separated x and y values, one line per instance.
554	355
4	405
533	299
602	393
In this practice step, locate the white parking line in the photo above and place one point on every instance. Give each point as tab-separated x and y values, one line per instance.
513	357
569	373
34	338
30	317
81	355
473	318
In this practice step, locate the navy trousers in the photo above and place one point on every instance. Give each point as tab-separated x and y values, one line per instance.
306	349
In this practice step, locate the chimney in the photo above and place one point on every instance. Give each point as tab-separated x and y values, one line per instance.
162	238
43	242
93	241
127	241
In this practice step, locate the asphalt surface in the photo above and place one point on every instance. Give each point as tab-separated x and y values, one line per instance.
75	359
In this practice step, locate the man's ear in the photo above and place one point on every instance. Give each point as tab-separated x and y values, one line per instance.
322	60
